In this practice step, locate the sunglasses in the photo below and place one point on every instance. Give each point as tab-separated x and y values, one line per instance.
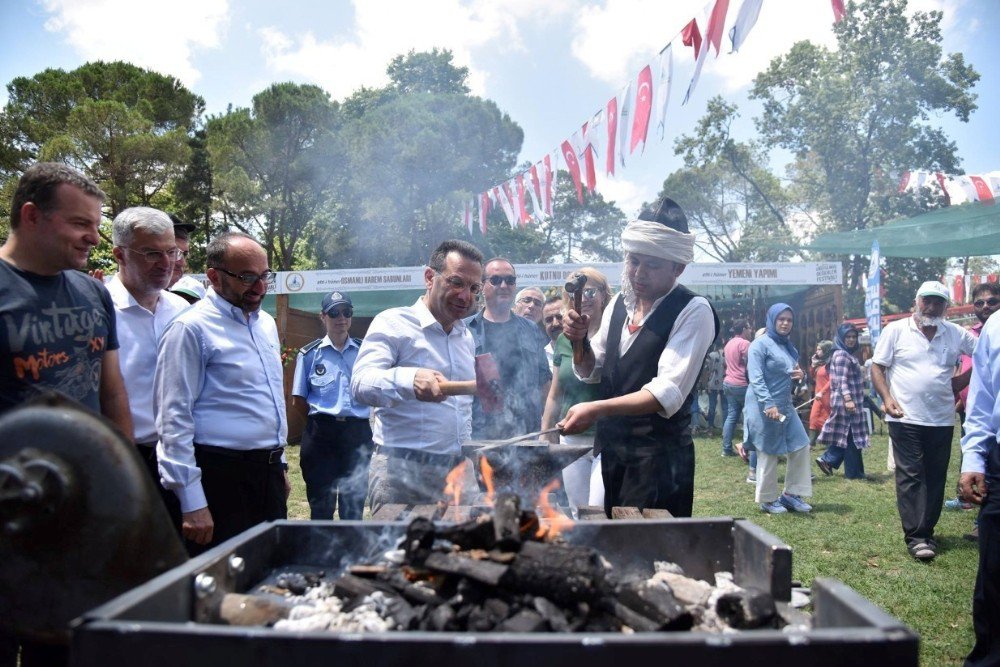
591	292
334	313
496	280
553	318
991	302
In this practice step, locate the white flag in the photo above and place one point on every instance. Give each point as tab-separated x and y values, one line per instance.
745	20
663	87
624	122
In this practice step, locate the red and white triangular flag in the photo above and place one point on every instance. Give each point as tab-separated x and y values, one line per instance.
643	108
573	167
612	124
713	37
484	209
467	217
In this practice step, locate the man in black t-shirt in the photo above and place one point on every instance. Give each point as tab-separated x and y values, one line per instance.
518	347
57	325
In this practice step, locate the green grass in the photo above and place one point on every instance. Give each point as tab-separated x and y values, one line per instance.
853	534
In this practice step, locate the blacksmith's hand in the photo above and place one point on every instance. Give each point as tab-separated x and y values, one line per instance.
426	387
972	487
579	418
575	325
198	526
892	408
772	413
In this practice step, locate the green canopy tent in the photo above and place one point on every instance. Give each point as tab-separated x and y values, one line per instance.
955	231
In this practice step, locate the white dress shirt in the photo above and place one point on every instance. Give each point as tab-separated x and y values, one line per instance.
982	416
398	342
919	371
680	362
218	382
139	332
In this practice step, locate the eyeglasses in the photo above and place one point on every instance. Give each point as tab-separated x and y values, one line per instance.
590	292
530	299
459	285
154	256
334	313
496	280
992	302
248	278
549	319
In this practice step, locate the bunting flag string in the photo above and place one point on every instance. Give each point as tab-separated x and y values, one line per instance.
958	189
622	125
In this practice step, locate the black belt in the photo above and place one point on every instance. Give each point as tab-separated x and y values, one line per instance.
268	456
334	418
443	460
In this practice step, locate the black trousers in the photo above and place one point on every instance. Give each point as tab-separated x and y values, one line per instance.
657	476
242	489
334	457
169	498
986	598
922	454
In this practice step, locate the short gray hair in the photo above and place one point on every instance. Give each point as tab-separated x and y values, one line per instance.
139	218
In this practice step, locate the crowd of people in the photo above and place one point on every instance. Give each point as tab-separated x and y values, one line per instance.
193	377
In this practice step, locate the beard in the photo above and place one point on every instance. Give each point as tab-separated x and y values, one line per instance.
925	321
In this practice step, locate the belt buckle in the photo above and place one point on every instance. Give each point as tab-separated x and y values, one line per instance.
275	454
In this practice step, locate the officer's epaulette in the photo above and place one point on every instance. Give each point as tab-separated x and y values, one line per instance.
309	347
357	341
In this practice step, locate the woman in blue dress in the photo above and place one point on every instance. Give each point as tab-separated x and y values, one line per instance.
772	367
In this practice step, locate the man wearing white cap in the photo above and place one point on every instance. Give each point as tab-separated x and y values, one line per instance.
647	355
913	369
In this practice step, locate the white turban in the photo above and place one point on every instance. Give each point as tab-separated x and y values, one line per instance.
656	239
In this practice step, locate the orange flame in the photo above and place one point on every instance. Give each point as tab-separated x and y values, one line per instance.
454	481
555	521
487	470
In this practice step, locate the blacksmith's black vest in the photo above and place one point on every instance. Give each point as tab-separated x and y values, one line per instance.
622	375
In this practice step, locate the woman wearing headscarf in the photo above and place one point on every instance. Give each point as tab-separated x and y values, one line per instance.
821	386
845	433
772	367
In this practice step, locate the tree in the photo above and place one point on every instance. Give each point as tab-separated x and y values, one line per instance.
276	166
125	127
427	72
590	231
856	117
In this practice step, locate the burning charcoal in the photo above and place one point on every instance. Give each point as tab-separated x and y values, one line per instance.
525	620
419	540
441	619
421	595
297	583
475	534
656	603
747	609
633	619
563	573
687	590
529	524
485	571
369	571
400	611
552	614
236	609
507	522
353	589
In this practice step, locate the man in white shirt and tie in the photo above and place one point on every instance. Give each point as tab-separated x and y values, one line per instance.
145	250
220	404
418	431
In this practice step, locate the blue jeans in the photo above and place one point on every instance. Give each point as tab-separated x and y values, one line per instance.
850	456
714	396
735	396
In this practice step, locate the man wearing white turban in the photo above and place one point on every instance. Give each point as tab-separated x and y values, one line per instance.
647	356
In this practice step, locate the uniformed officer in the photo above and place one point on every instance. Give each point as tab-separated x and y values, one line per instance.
337	443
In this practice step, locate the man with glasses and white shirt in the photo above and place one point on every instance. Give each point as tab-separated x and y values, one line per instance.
145	250
418	430
518	347
220	404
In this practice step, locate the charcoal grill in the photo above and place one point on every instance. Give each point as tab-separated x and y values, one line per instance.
160	620
525	467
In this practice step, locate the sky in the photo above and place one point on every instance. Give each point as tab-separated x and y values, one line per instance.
550	65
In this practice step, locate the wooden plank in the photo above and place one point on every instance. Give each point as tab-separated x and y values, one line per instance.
390	513
650	513
590	513
618	513
426	511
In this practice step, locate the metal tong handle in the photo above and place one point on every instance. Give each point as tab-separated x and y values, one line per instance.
519	438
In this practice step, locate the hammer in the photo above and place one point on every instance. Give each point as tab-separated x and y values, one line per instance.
575	287
486	385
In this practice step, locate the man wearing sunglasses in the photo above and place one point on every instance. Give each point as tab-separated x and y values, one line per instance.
407	352
220	403
337	443
145	250
518	347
